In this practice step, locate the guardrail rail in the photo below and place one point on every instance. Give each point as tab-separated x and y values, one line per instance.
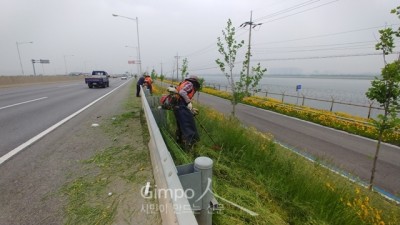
173	209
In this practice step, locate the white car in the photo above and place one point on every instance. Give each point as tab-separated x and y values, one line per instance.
124	78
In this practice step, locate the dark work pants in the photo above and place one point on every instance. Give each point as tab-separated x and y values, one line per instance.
186	126
137	90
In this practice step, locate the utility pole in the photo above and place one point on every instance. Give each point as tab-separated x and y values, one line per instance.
177	66
161	69
251	25
19	54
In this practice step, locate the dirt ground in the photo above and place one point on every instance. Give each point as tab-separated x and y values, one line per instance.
33	183
6	81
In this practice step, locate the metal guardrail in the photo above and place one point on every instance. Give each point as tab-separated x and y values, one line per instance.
174	209
282	97
301	108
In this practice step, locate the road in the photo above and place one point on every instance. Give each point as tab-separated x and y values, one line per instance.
348	152
27	111
32	182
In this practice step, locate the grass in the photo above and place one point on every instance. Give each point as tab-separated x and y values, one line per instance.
80	210
283	188
119	167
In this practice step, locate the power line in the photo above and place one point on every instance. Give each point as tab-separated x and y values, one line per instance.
309	2
326	35
303	4
207	48
314	50
322	57
311	48
325	45
302	11
301	58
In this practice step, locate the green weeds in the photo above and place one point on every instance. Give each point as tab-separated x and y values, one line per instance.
283	188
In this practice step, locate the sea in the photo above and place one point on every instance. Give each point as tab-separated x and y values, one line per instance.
345	91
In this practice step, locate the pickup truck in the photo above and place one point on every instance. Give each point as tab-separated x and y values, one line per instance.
98	79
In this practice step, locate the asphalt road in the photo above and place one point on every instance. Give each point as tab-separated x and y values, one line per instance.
31	182
27	111
348	152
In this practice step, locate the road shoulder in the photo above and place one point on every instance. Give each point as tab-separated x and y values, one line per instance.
38	185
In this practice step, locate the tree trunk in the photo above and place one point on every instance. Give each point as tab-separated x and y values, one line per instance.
378	146
233	89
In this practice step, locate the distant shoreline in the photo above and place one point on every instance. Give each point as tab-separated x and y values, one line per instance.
313	76
364	77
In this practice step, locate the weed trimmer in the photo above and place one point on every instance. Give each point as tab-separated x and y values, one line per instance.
208	134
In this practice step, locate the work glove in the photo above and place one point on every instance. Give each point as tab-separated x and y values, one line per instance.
190	106
172	89
195	111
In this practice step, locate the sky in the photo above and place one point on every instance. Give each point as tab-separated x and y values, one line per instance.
294	36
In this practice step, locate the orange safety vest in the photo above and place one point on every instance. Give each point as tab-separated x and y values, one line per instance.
148	80
181	85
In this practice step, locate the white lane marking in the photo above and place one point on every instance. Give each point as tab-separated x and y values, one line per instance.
50	129
33	100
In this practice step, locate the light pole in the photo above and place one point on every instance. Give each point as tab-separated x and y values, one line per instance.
137	29
19	54
65	63
138	57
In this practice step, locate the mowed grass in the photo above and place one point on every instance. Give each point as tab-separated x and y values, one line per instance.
121	166
281	187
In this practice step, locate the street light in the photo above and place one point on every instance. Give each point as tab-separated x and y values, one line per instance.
19	54
138	57
65	63
137	29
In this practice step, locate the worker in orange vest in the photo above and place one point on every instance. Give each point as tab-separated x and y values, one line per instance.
184	112
148	82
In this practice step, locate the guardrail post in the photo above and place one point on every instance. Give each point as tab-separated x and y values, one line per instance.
266	94
369	110
333	101
146	91
283	96
204	166
304	98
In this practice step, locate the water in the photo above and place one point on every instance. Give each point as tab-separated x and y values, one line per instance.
347	89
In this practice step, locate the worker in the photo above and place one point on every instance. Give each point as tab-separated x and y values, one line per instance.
148	82
184	112
139	83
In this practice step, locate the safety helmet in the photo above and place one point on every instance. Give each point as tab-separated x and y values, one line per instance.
194	80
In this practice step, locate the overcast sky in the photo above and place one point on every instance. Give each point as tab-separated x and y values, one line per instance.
296	36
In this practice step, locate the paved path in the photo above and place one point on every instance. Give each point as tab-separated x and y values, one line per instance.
348	152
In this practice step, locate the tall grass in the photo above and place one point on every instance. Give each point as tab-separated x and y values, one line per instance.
283	188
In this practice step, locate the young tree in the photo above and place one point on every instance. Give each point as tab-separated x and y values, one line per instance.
162	77
386	91
228	48
229	54
184	69
201	82
252	80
